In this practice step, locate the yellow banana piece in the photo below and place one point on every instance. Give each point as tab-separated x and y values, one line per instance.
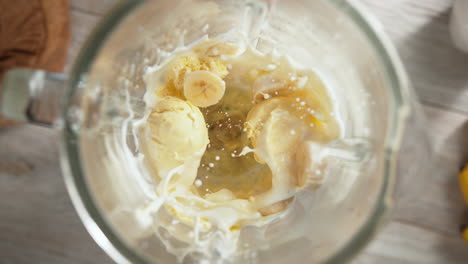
203	88
464	183
463	179
464	232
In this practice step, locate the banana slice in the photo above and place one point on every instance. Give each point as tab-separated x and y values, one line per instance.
203	88
310	165
206	57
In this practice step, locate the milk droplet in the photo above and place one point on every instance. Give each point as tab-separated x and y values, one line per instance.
302	81
198	183
270	67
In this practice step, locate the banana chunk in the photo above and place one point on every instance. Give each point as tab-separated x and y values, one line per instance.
203	88
463	180
280	131
275	129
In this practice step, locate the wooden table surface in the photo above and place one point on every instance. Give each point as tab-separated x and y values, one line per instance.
39	225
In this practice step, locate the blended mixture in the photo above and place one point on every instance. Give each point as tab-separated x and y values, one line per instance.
231	136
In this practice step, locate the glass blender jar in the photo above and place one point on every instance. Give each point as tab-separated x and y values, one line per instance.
92	107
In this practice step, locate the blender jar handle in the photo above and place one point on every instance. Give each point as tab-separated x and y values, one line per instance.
32	96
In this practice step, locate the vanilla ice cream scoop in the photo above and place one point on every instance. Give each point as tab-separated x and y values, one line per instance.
177	133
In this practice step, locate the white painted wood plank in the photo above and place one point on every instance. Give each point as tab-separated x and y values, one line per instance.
419	29
435	209
407	244
436	201
38	223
